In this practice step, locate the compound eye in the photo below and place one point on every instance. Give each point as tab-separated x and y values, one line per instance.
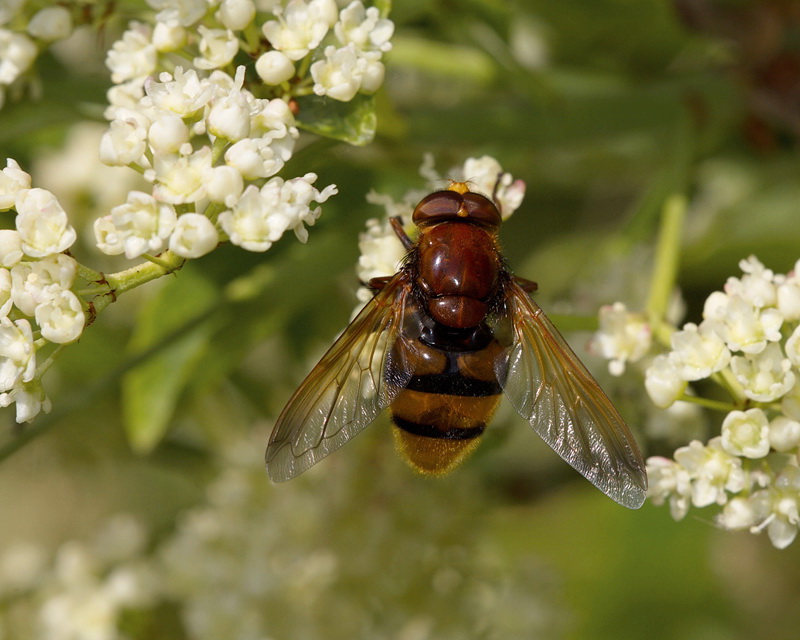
441	205
481	210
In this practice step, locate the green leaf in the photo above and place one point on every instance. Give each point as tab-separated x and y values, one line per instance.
151	391
353	122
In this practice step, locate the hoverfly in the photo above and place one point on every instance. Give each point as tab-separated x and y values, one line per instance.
438	344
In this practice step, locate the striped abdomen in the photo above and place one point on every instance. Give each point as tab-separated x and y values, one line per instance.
441	413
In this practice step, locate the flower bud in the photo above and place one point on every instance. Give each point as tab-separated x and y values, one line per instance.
168	36
236	14
167	133
784	434
42	224
50	24
194	236
224	184
274	67
61	318
10	247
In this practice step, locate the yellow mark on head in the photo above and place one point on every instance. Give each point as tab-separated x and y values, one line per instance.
459	187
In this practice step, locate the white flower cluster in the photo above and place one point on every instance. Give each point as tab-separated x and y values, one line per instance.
381	250
83	591
749	344
250	561
622	337
170	134
208	141
35	287
20	47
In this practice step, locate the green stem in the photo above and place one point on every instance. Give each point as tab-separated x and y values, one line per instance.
665	267
88	274
218	149
161	262
44	366
123	281
728	381
708	403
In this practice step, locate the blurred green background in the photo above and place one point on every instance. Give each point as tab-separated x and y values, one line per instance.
604	108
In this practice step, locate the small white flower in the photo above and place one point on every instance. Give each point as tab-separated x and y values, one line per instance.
793	347
364	27
125	141
381	250
224	184
5	292
622	337
372	75
17	53
86	612
10	247
669	480
740	513
179	178
167	133
194	236
108	238
765	376
182	12
488	177
229	116
756	285
778	505
296	195
790	402
246	223
12	181
169	37
61	318
254	158
743	326
123	96
784	434
339	75
663	381
236	14
183	92
301	26
274	121
699	351
142	225
33	283
133	56
42	224
17	353
260	217
274	67
217	48
746	433
51	24
788	302
714	472
30	399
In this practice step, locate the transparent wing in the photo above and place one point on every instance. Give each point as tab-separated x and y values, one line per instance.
552	389
346	390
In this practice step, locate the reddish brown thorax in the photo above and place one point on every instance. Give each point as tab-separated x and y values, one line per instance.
459	262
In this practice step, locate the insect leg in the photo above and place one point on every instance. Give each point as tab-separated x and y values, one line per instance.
529	286
496	188
397	225
376	284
